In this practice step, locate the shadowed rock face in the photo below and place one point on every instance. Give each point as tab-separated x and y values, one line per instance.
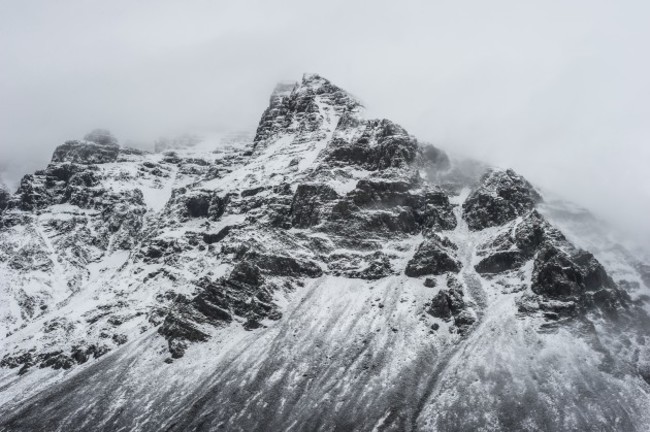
328	274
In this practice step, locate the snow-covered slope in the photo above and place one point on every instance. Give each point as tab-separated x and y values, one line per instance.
333	274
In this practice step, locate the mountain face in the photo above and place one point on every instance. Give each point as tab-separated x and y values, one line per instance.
334	273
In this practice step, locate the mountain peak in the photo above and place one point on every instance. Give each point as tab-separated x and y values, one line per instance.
302	107
339	244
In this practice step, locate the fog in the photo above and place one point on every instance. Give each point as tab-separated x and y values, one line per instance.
557	90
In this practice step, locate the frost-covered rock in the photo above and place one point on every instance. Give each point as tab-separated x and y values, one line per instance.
86	152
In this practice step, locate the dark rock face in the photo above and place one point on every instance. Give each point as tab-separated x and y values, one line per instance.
509	251
297	104
245	293
85	152
383	208
285	266
571	285
428	209
502	197
308	202
500	262
433	257
382	145
556	276
198	204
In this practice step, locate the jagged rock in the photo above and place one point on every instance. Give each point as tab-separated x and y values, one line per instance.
382	144
501	197
196	203
246	273
500	262
85	152
570	285
244	293
429	209
298	105
378	206
285	266
308	202
433	257
464	320
509	251
556	276
371	266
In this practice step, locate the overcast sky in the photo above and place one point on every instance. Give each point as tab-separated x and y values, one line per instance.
558	90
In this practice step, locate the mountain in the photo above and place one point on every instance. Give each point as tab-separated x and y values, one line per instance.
332	273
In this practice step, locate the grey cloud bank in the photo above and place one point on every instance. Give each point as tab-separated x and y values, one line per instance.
556	90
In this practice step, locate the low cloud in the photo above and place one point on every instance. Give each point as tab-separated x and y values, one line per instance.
557	90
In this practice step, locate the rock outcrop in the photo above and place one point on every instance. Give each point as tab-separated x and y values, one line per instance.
501	197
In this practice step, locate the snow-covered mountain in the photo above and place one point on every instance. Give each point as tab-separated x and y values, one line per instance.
332	273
